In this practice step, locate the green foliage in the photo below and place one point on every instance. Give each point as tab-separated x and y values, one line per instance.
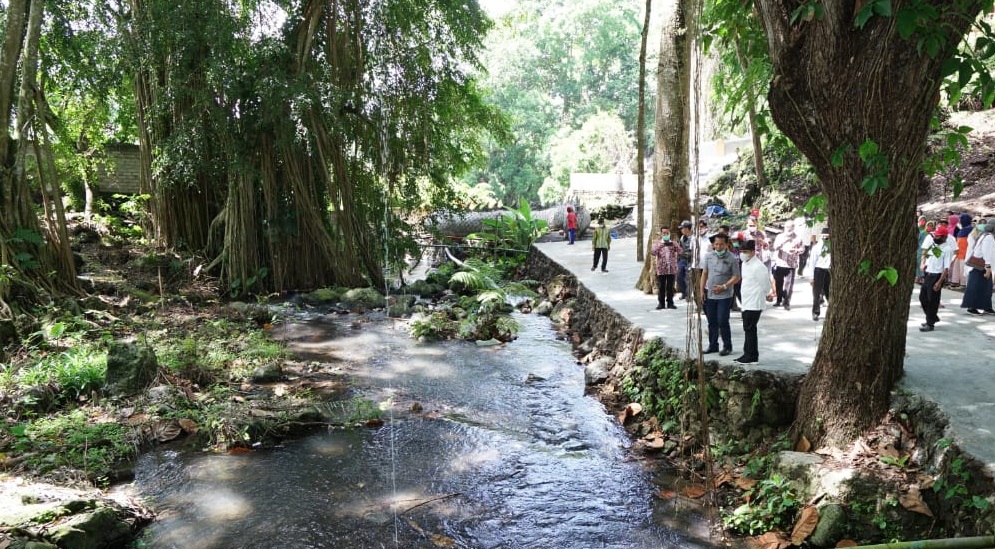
659	381
516	230
808	11
946	153
601	145
772	506
71	440
74	372
870	9
876	163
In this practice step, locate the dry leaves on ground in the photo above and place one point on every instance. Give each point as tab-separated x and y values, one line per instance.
806	524
770	540
912	501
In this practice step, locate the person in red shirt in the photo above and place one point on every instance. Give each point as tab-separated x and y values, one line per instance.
571	224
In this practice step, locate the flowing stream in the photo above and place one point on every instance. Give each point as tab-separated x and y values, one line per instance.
485	447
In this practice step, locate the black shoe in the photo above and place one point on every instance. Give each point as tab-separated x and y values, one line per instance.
592	269
974	311
815	318
710	351
745	360
725	352
989	312
604	270
777	304
671	306
925	328
658	307
787	307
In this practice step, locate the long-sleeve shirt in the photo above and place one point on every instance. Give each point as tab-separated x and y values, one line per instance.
602	238
666	257
787	248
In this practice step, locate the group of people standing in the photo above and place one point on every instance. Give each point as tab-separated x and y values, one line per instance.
955	252
739	271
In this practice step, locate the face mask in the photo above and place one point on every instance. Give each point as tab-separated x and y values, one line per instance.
939	239
735	244
982	227
720	253
747	256
666	237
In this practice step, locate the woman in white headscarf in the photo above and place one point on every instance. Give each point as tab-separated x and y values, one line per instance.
978	295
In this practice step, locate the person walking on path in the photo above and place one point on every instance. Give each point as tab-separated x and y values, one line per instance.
958	268
684	260
601	242
571	224
666	253
788	246
934	262
757	284
978	295
719	274
820	259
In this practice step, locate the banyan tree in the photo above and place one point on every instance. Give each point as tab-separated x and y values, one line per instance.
292	153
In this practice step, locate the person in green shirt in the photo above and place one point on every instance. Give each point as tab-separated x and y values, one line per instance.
601	242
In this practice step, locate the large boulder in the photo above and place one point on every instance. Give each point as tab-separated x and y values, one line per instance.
363	299
130	368
101	528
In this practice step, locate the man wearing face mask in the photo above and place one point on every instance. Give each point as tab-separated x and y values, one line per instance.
788	247
665	252
757	284
719	275
934	262
819	277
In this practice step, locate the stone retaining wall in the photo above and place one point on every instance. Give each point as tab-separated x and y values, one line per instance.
755	405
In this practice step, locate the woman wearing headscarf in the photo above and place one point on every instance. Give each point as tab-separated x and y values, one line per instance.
957	270
978	295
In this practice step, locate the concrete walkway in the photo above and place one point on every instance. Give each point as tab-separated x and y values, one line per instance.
953	366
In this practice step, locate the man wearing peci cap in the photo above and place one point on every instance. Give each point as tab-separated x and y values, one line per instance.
935	260
757	285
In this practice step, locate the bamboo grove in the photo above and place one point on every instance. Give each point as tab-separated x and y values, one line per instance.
286	142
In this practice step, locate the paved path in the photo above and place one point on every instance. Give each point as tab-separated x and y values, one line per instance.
953	366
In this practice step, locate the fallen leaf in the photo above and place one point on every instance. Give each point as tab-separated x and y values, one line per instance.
744	483
770	540
724	478
374	423
666	494
803	445
631	410
846	543
280	390
165	431
912	501
806	524
238	450
656	444
188	425
136	419
443	541
267	326
887	450
414	525
694	491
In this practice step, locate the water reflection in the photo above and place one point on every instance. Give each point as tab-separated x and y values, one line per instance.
507	454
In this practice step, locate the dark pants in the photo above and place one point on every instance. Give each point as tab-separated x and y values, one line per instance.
602	254
820	289
784	282
682	279
751	350
930	298
717	312
665	290
572	233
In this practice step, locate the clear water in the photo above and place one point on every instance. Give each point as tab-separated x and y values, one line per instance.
504	452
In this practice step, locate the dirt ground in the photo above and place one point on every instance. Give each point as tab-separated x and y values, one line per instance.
977	171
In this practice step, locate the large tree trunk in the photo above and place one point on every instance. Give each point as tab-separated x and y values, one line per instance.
836	86
641	137
671	201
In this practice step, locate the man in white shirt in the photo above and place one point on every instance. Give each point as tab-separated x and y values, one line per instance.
935	259
787	249
819	261
756	286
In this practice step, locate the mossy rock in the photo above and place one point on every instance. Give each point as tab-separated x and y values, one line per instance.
424	289
324	296
130	368
100	528
363	299
401	306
